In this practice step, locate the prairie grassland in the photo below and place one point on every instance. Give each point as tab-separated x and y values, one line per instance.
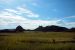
37	41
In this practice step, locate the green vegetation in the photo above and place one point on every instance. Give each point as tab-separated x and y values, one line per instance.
36	41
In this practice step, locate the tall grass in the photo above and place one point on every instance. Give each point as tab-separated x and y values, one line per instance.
36	41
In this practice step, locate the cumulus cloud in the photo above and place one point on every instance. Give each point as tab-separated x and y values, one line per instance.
10	17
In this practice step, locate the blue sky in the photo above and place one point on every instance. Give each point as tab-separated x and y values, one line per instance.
33	13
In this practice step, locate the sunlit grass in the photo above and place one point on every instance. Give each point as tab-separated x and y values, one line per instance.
36	41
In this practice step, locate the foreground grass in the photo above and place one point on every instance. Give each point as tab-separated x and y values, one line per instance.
36	41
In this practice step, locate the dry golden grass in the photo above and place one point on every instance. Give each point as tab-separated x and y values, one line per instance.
36	41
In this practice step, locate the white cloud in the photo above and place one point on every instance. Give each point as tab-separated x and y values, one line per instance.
70	17
22	10
29	13
70	24
9	19
11	10
66	24
12	17
6	1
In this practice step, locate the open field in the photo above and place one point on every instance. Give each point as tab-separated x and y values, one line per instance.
37	41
